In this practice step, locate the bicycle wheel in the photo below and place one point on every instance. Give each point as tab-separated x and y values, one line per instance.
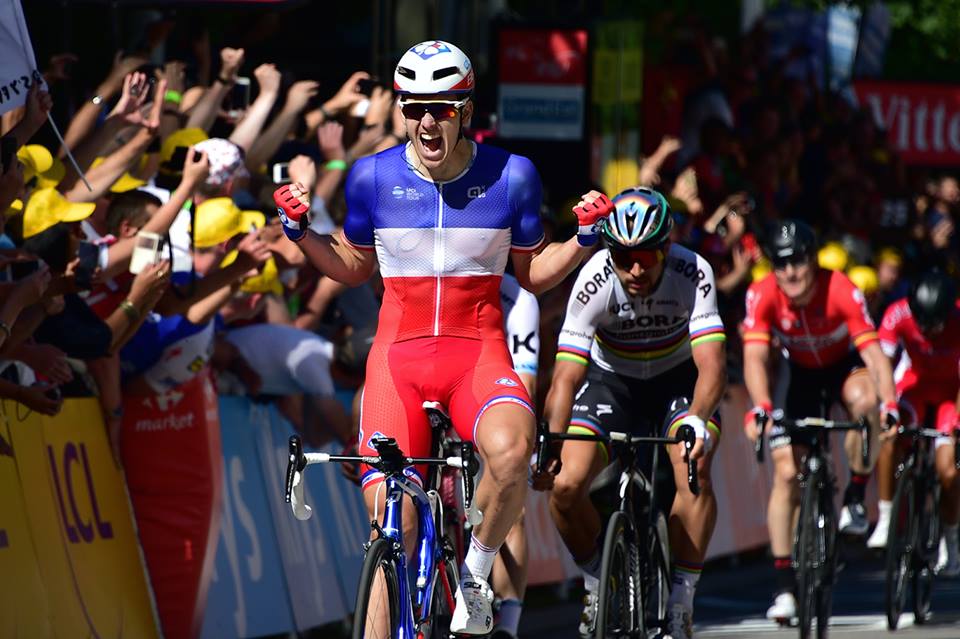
444	600
928	546
655	573
827	558
901	540
806	555
618	606
378	597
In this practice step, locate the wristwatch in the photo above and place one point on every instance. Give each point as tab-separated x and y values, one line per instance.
97	99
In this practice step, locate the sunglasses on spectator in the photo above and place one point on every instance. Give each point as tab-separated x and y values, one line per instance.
646	258
781	263
439	110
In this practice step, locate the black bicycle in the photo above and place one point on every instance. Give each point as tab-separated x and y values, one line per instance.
635	564
914	534
815	541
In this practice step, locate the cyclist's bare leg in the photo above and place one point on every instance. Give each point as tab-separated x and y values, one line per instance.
573	513
505	442
377	611
886	465
860	399
949	485
509	576
692	517
784	505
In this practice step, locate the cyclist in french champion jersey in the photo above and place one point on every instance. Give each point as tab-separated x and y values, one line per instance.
821	320
441	215
925	328
522	327
642	346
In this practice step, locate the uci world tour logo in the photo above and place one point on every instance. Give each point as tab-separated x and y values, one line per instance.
427	50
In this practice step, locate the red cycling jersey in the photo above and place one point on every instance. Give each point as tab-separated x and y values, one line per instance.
817	335
931	376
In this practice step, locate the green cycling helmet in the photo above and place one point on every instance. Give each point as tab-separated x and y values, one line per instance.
642	220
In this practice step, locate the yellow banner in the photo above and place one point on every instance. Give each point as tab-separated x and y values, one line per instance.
81	525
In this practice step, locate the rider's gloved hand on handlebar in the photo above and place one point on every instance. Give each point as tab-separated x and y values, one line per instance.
750	419
704	441
889	420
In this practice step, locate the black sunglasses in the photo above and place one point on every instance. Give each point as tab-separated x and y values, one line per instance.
439	110
798	259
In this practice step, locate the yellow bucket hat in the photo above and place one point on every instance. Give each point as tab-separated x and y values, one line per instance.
46	208
51	177
833	256
180	137
865	278
125	183
267	281
219	219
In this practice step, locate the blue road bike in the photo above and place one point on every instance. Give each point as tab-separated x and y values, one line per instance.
394	599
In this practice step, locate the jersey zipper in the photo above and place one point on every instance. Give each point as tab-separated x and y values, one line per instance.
806	330
438	258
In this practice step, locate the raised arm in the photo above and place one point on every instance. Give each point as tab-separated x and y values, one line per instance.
266	145
204	113
247	131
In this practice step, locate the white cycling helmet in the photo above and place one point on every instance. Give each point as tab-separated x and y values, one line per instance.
433	66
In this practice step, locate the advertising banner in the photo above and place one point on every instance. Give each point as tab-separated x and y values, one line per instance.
542	83
248	596
309	565
921	120
174	468
79	520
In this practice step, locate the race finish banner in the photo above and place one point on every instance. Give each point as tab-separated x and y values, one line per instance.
922	120
18	68
542	83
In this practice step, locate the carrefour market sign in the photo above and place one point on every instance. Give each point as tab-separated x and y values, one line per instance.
922	120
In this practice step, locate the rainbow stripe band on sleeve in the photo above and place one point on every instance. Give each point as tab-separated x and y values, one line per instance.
756	336
569	353
865	339
709	334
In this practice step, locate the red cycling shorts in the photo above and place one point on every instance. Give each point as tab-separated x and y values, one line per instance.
917	396
467	376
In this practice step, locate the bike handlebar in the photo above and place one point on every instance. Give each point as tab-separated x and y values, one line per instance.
685	436
822	423
390	461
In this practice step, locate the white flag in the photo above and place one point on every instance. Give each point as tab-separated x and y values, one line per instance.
18	66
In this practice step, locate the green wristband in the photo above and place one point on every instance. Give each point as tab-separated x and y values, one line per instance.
335	165
173	96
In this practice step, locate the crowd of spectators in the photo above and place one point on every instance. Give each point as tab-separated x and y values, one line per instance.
185	163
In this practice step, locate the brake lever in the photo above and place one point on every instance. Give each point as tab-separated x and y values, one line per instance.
761	421
543	445
296	462
865	439
467	473
688	437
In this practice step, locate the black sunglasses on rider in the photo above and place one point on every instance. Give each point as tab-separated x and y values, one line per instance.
439	110
797	259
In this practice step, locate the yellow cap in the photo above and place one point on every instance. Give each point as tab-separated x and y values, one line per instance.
52	176
180	137
833	256
46	208
865	278
124	183
35	158
889	254
267	281
219	219
761	269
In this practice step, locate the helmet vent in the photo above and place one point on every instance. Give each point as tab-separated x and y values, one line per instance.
439	74
407	73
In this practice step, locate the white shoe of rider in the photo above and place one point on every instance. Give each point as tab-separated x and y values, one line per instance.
474	612
879	537
784	607
588	618
853	519
679	623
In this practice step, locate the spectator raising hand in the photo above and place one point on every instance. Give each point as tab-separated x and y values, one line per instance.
303	169
268	79
348	94
230	62
300	94
252	251
330	137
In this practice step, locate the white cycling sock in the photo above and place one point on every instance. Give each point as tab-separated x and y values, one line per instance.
883	508
684	587
479	560
590	583
510	610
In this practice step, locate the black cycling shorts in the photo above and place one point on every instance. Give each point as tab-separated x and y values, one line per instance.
644	407
811	393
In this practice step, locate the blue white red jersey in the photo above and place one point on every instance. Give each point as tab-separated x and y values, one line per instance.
443	246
